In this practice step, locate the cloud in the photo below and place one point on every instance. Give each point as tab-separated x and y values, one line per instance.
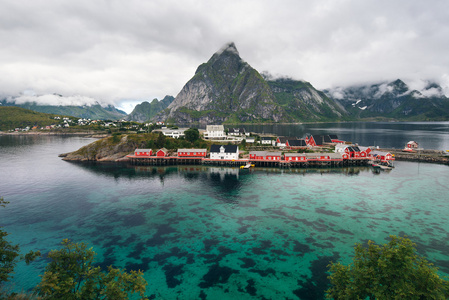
115	51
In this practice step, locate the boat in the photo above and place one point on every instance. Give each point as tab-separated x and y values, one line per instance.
247	166
382	166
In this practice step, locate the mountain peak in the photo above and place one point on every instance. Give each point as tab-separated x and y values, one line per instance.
226	53
229	47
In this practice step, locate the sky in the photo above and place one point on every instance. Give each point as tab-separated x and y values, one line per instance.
126	52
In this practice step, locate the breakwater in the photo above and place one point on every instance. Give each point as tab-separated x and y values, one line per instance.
424	155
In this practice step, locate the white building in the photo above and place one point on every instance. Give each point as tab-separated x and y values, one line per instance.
228	152
215	132
266	140
174	133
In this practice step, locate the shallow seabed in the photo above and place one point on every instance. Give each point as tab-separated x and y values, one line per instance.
222	233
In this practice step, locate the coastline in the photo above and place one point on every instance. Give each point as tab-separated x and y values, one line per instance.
56	133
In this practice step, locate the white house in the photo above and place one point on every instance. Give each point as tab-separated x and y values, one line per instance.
250	140
174	133
228	152
215	132
266	140
238	132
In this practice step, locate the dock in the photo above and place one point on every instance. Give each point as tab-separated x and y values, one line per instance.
309	163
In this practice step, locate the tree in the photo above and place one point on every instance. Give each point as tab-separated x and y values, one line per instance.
160	141
192	134
10	254
71	274
390	271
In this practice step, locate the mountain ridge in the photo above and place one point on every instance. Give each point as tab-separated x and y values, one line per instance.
145	111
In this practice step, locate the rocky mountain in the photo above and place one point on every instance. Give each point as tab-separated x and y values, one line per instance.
94	112
303	102
225	89
393	100
146	110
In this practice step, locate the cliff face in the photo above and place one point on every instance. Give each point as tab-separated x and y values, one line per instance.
225	89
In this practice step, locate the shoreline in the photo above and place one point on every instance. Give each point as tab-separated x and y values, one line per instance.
53	133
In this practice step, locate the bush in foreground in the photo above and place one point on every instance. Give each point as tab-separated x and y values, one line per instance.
71	274
390	271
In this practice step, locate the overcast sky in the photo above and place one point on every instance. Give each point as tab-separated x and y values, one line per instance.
125	52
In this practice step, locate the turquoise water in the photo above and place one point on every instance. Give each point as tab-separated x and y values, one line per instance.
216	233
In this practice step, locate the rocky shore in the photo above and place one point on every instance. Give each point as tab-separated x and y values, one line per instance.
106	150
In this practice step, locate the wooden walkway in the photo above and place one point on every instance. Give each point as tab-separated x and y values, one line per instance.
310	163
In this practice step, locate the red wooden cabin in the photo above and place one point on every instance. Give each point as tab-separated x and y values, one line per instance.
265	155
295	157
162	152
192	152
143	152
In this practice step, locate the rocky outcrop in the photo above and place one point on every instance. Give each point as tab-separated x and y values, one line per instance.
106	149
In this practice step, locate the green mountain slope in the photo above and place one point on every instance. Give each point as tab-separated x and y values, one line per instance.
16	117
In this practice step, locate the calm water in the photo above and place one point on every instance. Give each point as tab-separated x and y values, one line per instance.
433	135
217	233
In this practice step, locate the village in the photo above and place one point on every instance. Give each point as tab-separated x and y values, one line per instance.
281	152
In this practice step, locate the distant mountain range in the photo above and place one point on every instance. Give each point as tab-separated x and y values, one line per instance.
394	101
93	112
226	89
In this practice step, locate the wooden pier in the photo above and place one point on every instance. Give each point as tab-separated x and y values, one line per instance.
311	163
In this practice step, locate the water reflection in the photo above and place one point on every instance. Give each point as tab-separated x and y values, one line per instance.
205	173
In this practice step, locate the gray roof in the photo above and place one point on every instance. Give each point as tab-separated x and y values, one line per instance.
192	150
265	153
228	148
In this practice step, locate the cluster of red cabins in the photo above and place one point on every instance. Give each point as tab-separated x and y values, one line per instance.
344	155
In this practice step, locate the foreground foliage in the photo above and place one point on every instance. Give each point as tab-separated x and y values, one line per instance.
390	271
9	256
71	274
